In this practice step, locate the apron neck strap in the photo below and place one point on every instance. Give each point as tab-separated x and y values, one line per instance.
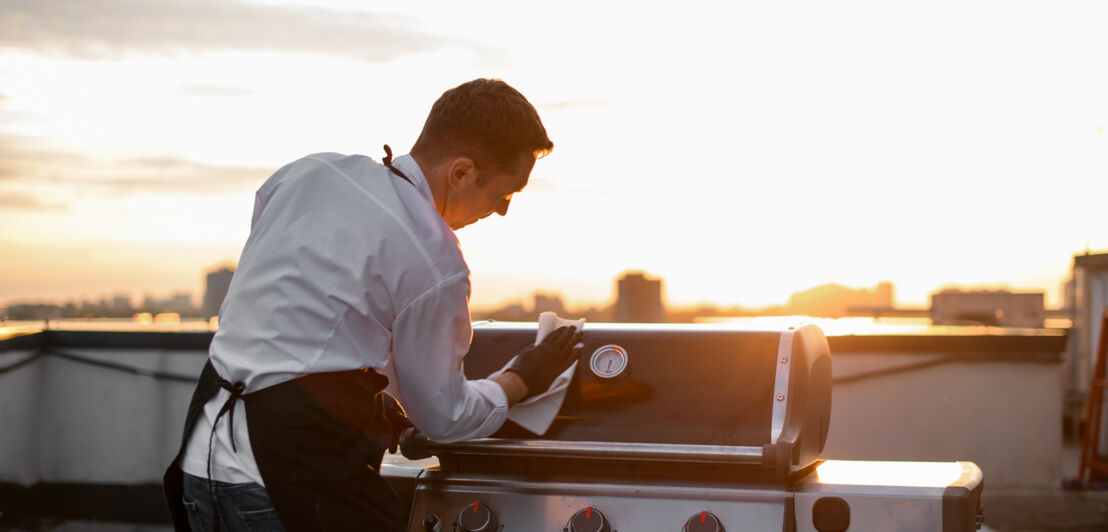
388	162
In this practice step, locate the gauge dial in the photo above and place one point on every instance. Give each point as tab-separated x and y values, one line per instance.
609	362
477	517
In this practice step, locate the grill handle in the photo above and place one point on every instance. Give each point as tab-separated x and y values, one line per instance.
416	443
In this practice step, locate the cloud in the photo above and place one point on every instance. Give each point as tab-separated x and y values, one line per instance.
30	164
95	29
24	201
172	175
21	160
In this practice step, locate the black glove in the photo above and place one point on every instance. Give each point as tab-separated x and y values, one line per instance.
540	364
396	419
413	444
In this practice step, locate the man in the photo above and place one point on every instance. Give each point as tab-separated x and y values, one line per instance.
352	267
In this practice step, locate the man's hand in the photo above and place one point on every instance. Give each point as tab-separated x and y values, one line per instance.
540	364
396	418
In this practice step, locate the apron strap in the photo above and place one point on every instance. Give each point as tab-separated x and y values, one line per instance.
236	390
388	162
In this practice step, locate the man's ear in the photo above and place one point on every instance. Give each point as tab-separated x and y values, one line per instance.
461	169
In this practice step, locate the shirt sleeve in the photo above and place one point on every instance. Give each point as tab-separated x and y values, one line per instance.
430	338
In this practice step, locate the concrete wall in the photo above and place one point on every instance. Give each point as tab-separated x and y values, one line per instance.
70	422
1001	410
19	418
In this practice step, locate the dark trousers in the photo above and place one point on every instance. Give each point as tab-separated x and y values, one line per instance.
242	507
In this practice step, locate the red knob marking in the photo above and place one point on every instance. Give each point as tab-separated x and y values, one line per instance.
703	514
478	503
588	513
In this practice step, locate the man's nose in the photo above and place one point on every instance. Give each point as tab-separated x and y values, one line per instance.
502	206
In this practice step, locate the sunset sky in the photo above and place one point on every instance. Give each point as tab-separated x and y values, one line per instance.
741	151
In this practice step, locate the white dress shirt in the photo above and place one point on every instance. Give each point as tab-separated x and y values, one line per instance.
347	266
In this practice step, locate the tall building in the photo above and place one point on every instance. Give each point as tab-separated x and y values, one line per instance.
1000	308
1090	302
218	281
639	299
1087	298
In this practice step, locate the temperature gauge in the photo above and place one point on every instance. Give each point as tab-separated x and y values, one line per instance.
609	362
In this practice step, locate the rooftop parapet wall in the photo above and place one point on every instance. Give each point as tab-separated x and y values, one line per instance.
95	407
991	396
1001	410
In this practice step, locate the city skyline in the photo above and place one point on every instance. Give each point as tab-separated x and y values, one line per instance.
1053	297
756	151
636	296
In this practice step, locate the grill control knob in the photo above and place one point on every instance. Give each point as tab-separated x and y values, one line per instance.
432	523
477	517
703	522
589	520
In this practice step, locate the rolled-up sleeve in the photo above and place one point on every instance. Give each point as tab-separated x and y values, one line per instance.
430	338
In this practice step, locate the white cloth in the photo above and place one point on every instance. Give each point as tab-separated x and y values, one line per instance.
347	266
538	411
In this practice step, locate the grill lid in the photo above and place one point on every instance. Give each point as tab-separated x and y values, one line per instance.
687	393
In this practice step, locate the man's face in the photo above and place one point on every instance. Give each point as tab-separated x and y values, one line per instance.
471	201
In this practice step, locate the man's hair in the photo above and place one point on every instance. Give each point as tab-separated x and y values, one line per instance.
486	120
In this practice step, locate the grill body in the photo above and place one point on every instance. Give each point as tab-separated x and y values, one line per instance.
709	428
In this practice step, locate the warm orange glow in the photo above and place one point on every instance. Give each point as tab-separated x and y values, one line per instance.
876	326
907	474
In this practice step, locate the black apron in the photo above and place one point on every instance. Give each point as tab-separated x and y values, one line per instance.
318	441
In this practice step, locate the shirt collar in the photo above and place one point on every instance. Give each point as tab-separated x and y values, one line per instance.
405	163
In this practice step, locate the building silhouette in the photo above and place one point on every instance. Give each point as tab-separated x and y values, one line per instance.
639	299
215	289
1087	300
121	306
544	302
178	302
181	303
1001	308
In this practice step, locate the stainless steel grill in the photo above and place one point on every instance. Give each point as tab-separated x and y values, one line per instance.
692	428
